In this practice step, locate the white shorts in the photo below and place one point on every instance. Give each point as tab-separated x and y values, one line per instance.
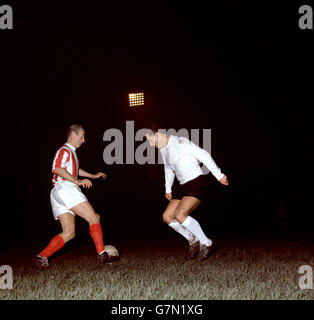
64	196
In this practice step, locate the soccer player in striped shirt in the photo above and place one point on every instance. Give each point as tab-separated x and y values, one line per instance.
67	199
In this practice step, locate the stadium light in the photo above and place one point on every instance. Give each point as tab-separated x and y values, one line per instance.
136	99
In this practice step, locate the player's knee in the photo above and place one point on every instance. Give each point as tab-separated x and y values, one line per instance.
68	235
181	214
167	217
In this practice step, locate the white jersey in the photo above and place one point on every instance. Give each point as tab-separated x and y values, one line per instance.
180	157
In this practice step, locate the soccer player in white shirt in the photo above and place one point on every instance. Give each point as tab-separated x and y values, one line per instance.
181	159
67	199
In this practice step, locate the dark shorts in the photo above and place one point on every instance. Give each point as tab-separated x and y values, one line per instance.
198	188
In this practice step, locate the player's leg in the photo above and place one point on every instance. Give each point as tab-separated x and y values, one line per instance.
169	218
87	212
186	206
168	215
67	221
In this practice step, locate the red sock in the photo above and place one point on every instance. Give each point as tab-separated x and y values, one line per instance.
54	245
96	233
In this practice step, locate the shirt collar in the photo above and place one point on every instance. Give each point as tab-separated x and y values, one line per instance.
70	146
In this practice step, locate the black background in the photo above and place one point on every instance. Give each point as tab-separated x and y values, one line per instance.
242	69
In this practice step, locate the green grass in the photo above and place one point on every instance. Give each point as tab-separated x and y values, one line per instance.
238	270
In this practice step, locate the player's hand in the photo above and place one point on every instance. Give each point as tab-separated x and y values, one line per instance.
100	175
224	180
84	183
168	196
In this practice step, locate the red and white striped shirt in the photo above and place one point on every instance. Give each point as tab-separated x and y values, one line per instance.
65	158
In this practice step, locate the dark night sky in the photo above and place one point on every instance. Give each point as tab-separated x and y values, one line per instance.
240	69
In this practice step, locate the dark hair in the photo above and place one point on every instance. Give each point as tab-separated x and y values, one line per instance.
153	126
74	127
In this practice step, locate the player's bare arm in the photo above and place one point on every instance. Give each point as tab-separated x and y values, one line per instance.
67	176
97	175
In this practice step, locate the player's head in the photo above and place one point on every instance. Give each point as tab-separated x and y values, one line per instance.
76	135
155	136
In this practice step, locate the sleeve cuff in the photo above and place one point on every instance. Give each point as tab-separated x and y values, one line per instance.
168	190
218	176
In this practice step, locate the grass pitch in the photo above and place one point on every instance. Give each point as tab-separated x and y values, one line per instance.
255	269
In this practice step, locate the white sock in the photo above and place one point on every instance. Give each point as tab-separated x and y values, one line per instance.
192	225
177	226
